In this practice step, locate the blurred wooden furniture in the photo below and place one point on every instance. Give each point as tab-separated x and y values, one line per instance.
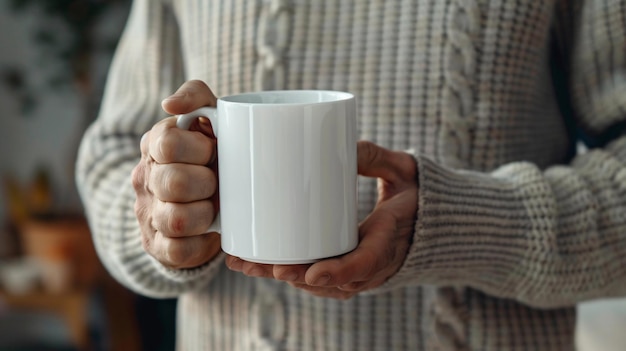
57	240
73	306
66	239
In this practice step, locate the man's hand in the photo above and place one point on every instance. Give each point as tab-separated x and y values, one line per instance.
385	235
176	184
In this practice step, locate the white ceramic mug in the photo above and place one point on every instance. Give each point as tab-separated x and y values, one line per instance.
287	174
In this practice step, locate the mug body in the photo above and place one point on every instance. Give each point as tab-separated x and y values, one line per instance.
287	175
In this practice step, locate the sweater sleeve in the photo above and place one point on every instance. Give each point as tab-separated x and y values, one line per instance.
146	68
546	237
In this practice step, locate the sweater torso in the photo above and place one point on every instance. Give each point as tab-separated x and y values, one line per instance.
466	83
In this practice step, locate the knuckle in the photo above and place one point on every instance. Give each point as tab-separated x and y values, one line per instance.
137	177
144	142
140	210
166	147
175	182
169	183
203	148
156	183
146	242
176	254
177	222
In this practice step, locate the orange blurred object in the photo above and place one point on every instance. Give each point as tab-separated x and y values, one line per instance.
62	241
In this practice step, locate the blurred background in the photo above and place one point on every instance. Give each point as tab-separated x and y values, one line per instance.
54	294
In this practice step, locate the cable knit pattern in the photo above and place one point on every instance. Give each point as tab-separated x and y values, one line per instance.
463	25
458	119
272	41
513	228
450	320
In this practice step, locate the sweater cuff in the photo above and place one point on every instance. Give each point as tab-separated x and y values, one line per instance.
469	230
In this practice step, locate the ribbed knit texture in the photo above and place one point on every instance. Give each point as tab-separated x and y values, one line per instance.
513	229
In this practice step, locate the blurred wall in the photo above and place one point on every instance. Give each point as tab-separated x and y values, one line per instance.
46	133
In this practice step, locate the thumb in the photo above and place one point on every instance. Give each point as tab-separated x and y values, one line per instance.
378	162
190	96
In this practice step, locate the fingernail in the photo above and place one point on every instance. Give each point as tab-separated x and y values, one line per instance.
322	280
290	277
236	264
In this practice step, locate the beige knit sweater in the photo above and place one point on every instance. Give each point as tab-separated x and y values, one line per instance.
513	228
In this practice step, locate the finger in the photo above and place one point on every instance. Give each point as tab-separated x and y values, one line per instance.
188	252
234	263
374	252
144	143
290	273
139	179
191	95
259	270
169	144
179	182
251	269
376	161
182	220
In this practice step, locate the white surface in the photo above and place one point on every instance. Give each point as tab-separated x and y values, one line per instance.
287	174
602	325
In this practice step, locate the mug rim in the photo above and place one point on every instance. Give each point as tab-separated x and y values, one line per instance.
338	95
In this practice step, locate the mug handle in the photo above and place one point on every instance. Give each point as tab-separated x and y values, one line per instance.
184	122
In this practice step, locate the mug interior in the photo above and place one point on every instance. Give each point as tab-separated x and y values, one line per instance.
281	97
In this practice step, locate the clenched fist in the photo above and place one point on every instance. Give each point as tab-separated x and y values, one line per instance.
176	184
